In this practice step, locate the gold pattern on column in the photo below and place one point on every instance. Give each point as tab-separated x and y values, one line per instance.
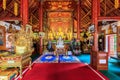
15	8
116	4
4	4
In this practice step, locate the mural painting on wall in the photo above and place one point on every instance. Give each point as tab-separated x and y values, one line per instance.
60	22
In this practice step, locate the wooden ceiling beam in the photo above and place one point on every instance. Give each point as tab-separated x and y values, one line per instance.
86	15
34	16
109	18
110	11
10	19
9	11
105	8
86	25
17	1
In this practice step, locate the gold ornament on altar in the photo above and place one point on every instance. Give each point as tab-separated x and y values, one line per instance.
20	42
60	33
15	8
84	35
69	35
116	4
29	36
66	35
50	35
4	4
23	42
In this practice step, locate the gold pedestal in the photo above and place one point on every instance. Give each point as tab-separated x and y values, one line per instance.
16	61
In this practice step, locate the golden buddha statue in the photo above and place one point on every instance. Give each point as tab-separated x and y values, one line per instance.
23	41
60	33
50	35
69	35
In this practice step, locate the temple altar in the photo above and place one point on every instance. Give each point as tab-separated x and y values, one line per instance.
52	35
59	25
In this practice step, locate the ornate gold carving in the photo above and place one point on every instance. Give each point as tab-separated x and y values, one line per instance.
24	40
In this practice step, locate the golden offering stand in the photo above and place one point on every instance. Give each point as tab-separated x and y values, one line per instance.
23	50
15	60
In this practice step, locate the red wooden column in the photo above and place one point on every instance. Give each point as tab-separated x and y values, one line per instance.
24	11
21	7
78	20
41	24
95	14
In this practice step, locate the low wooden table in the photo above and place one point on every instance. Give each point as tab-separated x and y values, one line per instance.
15	60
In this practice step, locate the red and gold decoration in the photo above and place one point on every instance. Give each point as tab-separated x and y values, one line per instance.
60	5
116	4
60	24
4	4
15	8
23	42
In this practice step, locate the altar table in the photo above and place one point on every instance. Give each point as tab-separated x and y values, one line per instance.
15	60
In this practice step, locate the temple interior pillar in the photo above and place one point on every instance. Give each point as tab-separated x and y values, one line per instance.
78	20
24	11
95	14
41	25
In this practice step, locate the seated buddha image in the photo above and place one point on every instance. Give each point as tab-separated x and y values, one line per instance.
69	35
60	33
50	35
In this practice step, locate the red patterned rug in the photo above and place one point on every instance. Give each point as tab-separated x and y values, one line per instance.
62	71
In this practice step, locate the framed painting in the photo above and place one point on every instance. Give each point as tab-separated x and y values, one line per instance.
2	38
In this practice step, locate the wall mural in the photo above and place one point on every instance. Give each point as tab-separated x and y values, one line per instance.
60	24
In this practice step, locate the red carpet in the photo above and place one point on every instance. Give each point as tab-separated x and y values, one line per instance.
62	71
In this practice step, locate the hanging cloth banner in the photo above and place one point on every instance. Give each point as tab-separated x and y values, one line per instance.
116	3
15	8
4	4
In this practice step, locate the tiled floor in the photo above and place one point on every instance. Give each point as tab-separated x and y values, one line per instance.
113	72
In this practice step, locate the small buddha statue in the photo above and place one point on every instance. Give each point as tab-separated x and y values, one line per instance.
69	35
60	33
50	35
